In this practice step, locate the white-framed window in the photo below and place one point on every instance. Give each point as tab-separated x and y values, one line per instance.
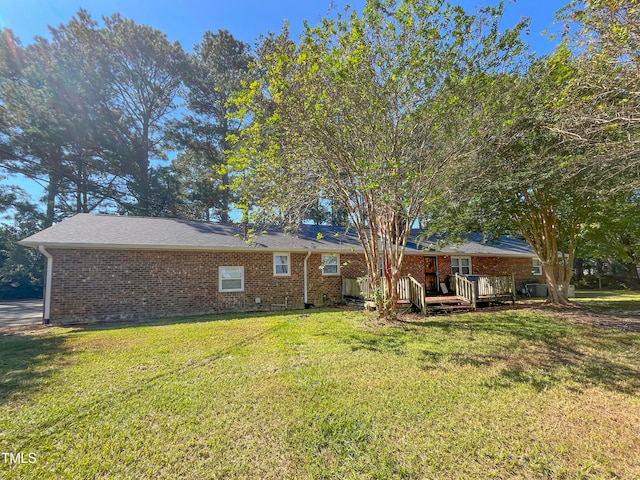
330	264
536	268
231	279
461	265
281	264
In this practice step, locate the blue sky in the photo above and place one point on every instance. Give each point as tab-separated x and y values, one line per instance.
187	20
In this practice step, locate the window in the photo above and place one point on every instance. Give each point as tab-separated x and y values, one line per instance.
330	264
281	264
231	279
537	267
461	265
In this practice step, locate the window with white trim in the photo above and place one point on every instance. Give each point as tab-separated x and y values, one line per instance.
330	264
231	279
461	265
536	268
281	264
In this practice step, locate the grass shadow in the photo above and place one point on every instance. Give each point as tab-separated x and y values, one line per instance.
167	321
26	360
379	342
528	347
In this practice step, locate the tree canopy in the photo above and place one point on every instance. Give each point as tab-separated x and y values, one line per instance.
369	111
411	111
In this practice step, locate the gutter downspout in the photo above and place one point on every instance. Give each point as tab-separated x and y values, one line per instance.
306	296
47	286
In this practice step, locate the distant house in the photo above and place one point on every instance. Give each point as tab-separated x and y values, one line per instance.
102	267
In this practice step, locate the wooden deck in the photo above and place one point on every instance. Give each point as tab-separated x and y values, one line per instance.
470	291
485	289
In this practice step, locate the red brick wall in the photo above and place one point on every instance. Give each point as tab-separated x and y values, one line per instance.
413	265
91	285
324	289
518	266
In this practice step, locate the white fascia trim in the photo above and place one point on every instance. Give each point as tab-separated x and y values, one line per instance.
504	255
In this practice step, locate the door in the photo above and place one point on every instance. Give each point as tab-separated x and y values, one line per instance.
431	274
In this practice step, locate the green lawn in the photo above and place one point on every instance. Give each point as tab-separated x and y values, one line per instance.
621	301
323	394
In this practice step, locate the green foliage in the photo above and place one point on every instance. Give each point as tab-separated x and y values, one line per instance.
84	112
614	230
368	111
531	179
216	69
21	269
602	106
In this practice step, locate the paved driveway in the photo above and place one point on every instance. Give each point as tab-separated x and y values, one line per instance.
20	312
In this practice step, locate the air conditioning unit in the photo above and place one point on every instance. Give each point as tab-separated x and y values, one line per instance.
538	290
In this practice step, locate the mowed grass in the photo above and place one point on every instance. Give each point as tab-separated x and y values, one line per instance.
323	394
618	301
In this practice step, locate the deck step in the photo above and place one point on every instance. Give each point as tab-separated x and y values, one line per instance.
449	308
449	300
355	302
446	304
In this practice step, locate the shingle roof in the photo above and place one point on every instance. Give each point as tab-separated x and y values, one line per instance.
109	231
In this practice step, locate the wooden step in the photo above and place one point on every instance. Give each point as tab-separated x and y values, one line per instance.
354	302
448	300
449	308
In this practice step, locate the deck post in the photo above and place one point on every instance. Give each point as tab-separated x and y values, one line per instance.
476	294
513	289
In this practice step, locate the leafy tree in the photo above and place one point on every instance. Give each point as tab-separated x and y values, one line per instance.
327	213
216	69
527	180
143	78
601	106
368	111
86	111
21	269
33	127
614	234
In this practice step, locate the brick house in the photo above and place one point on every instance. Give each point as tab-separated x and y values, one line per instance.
103	267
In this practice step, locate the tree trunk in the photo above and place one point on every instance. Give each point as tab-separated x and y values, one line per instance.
143	180
631	275
224	194
224	210
558	277
53	188
579	268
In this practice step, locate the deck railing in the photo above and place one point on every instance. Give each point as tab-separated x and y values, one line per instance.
357	288
466	289
477	287
495	286
416	293
408	289
473	288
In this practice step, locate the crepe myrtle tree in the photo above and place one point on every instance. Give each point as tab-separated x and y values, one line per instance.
531	179
601	106
368	111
